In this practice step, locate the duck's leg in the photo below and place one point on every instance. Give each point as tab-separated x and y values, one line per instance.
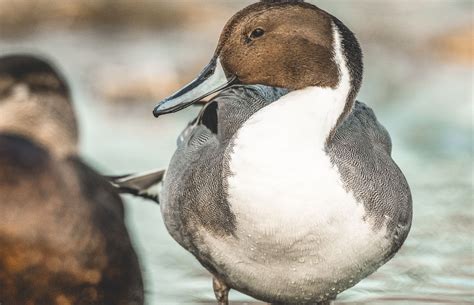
221	291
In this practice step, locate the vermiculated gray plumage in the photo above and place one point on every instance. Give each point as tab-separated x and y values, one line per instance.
194	176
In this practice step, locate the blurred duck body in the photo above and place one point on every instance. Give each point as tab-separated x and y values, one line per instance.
62	234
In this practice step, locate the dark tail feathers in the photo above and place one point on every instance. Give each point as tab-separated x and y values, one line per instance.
143	184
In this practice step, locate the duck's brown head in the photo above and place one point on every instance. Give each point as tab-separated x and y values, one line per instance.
35	103
280	43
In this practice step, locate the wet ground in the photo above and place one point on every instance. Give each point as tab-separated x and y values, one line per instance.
422	95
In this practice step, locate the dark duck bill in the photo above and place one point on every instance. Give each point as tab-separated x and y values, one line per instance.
212	79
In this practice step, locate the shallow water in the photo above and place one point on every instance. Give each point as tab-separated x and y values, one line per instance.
424	102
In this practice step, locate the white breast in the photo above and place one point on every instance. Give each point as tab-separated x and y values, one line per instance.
281	173
295	221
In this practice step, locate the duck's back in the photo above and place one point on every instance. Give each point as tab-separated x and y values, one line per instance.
62	232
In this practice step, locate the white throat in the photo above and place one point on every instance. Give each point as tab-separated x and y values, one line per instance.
324	105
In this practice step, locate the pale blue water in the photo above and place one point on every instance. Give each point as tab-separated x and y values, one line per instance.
425	103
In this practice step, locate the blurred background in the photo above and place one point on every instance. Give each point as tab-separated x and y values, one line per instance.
122	56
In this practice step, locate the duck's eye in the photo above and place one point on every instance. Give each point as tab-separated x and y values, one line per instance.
258	32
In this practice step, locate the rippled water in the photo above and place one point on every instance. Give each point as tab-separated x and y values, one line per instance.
426	105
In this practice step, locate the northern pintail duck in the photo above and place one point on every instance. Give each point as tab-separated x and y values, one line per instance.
283	187
63	238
